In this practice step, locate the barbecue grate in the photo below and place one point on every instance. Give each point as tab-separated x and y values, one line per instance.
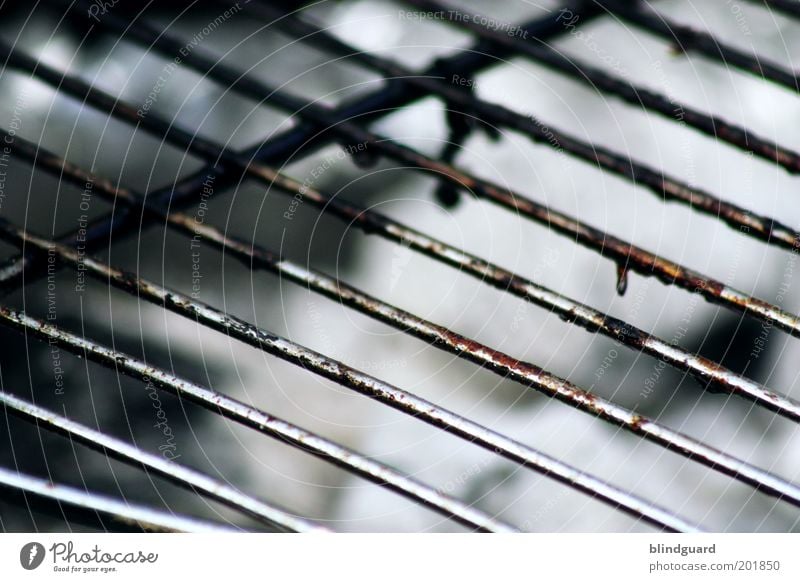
320	125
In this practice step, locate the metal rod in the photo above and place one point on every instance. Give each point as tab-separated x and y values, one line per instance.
288	144
177	473
606	83
687	39
790	8
135	514
374	388
441	337
373	223
664	187
627	256
246	415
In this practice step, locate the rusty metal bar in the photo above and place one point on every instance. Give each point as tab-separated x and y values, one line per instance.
146	518
237	411
664	187
687	39
440	337
359	382
288	144
181	475
99	231
371	222
627	256
334	288
605	83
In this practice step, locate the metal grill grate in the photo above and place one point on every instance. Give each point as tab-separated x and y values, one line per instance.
320	125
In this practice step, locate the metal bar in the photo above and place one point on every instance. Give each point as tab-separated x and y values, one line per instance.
664	187
440	337
789	8
244	414
118	223
123	511
606	83
364	384
687	39
179	474
287	144
627	256
371	222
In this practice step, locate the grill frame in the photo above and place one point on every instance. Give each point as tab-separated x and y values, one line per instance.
407	86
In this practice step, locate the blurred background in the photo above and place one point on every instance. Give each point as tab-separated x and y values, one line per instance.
127	155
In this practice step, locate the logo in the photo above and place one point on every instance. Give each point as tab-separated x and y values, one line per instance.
31	555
